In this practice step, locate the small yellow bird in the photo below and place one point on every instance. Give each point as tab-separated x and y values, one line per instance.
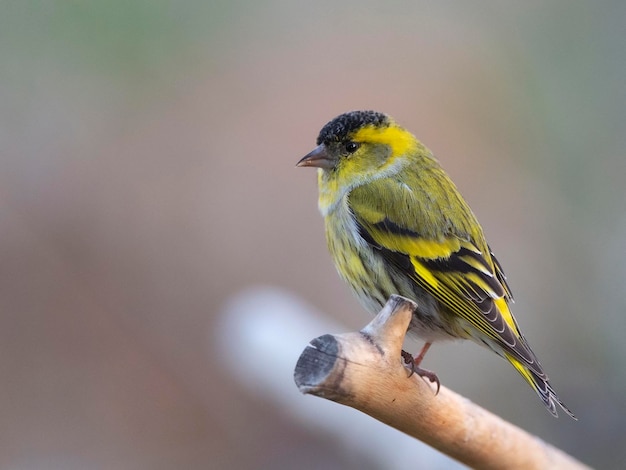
396	224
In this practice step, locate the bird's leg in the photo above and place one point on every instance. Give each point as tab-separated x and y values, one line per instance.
415	368
420	356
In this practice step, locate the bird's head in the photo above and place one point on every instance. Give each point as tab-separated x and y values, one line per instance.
358	147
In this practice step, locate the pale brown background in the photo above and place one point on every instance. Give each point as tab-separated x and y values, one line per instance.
147	154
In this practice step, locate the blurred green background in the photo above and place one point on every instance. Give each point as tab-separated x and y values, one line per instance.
147	154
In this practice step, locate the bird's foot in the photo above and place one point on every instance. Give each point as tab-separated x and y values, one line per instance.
415	369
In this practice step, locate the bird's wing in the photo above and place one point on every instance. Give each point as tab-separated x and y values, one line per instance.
458	271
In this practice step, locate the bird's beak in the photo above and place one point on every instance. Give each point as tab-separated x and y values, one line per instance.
318	158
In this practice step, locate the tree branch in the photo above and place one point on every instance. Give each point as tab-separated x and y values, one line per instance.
363	370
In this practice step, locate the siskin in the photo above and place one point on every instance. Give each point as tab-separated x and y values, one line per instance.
396	224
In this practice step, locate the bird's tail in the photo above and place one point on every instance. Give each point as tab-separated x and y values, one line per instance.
541	386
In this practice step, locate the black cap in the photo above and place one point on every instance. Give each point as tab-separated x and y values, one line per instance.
345	124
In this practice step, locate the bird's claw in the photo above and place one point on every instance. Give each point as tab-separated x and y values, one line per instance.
424	373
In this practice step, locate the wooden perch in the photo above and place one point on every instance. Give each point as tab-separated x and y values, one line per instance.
364	370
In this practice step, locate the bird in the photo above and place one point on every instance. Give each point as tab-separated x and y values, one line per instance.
395	223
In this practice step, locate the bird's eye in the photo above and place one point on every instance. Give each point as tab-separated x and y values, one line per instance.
351	147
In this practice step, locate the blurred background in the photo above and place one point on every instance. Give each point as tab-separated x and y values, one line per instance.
148	188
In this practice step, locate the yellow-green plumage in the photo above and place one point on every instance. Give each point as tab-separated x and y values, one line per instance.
396	224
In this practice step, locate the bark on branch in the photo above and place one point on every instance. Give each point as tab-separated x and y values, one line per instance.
364	370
